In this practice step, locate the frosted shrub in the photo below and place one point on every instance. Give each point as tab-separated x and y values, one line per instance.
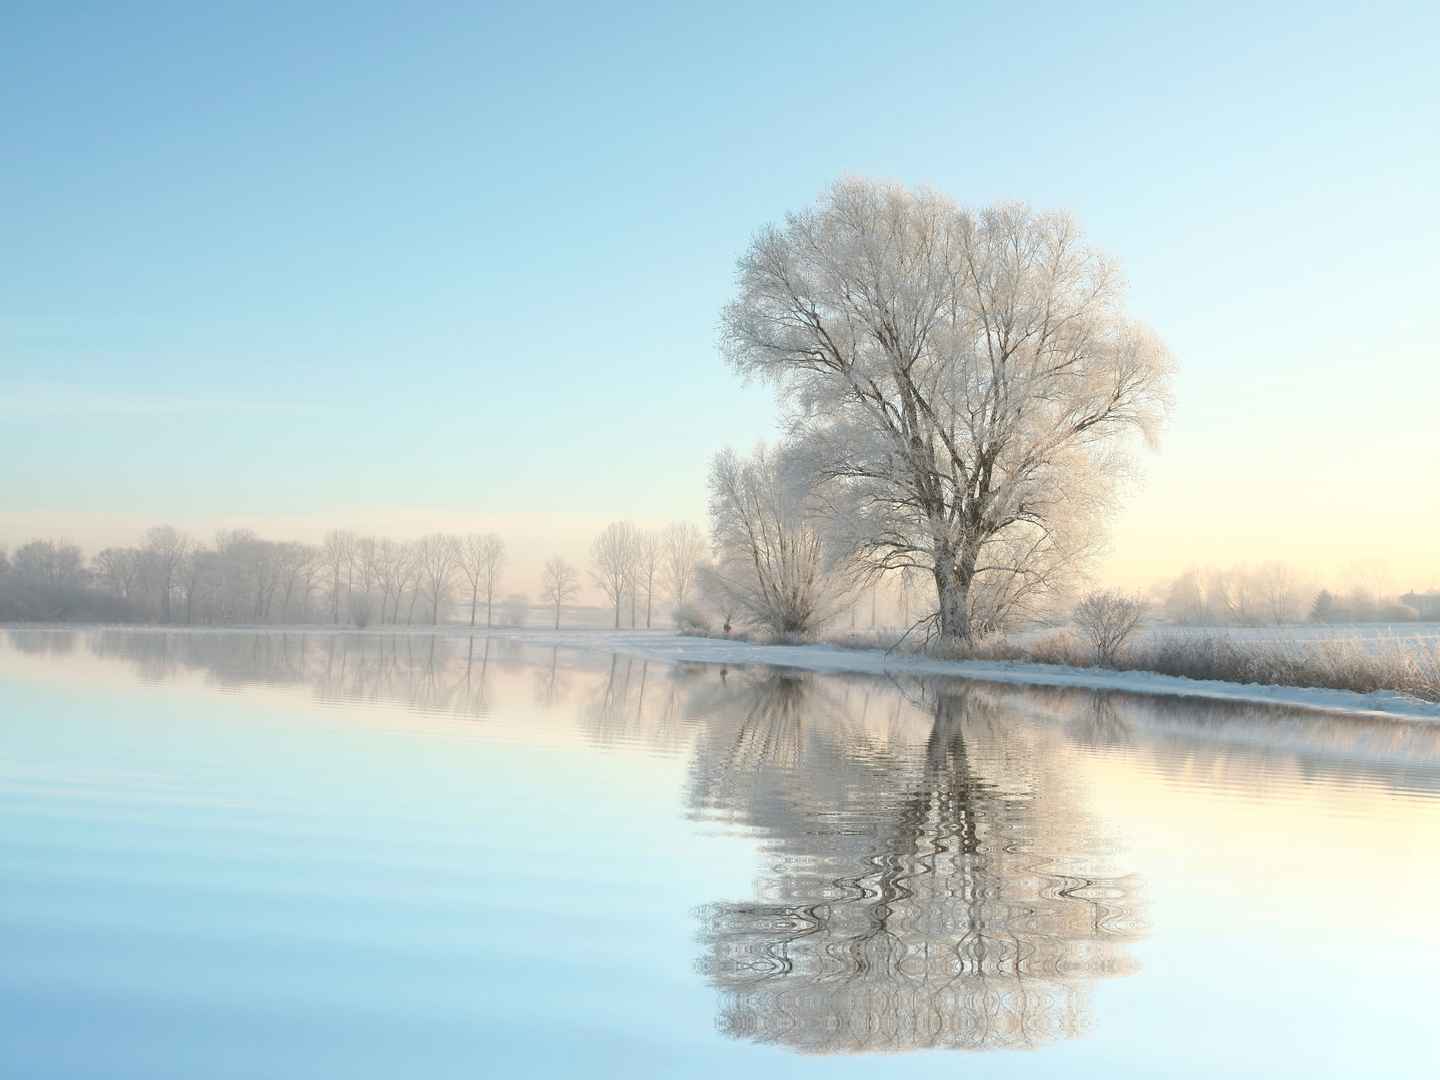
689	619
1107	620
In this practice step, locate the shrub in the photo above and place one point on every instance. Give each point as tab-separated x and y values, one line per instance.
1107	620
690	619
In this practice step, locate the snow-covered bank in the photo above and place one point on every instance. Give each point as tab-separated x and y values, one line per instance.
676	648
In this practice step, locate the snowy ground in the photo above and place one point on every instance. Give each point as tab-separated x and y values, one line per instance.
674	648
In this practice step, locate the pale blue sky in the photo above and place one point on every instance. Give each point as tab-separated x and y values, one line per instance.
445	260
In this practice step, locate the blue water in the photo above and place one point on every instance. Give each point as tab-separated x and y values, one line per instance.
314	855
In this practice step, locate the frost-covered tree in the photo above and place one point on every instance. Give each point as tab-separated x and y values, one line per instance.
117	570
335	557
649	552
492	563
410	580
392	559
294	561
770	557
480	559
1108	620
613	558
961	378
684	548
436	555
559	584
51	563
165	550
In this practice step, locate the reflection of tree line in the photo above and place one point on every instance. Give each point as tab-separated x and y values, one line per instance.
930	888
1238	742
623	699
430	673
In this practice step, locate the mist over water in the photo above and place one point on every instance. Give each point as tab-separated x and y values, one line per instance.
290	854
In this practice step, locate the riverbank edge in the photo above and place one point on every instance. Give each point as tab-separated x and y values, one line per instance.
669	647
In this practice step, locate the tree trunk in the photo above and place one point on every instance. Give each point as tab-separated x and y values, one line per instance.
474	599
953	576
557	614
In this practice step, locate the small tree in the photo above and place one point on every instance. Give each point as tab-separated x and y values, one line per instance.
480	559
1107	619
648	553
770	557
613	556
437	555
559	584
493	554
684	549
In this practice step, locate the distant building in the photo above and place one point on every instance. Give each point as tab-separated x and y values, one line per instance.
1426	605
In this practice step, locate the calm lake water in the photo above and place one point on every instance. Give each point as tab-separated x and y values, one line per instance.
312	855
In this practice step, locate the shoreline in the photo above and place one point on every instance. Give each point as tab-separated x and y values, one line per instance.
669	647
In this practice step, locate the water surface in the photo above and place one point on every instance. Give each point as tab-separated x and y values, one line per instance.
233	854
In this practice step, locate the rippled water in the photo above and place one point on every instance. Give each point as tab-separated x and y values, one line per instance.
284	855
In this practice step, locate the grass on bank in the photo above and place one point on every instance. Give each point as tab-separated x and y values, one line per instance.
1405	666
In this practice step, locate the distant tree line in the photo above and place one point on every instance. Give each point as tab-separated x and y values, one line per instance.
634	568
243	578
1272	594
348	578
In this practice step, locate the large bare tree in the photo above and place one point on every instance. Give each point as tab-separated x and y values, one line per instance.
960	377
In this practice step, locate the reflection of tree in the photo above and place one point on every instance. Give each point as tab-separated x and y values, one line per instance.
931	888
41	642
639	703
